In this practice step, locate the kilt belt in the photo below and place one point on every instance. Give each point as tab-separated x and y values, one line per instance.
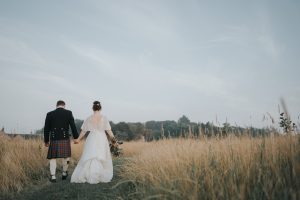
59	134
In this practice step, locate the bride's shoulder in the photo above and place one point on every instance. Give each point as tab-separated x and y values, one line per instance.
104	117
89	117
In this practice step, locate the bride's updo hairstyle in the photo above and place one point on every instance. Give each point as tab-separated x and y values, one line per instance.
96	106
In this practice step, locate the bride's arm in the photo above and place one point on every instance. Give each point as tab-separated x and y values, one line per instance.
111	135
82	133
84	129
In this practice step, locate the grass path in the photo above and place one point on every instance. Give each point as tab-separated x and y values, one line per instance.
66	190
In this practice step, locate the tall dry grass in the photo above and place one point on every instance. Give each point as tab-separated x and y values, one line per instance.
231	168
20	162
23	162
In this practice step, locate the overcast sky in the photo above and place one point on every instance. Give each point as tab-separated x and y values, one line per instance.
149	60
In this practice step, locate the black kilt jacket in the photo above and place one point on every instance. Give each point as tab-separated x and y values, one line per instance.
57	125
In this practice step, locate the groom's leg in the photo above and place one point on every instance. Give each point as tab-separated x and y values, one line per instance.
65	165
52	168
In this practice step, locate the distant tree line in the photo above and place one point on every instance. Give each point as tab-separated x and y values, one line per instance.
154	130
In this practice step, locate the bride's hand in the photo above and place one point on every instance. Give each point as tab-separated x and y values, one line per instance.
76	141
114	142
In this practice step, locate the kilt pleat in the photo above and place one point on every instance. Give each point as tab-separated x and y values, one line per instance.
59	149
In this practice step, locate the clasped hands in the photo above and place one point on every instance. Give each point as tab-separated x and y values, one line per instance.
76	141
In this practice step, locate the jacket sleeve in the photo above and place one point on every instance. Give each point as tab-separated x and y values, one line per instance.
47	129
73	127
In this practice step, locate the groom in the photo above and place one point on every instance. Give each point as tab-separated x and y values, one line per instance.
56	131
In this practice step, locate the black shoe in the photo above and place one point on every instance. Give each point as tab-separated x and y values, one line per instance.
52	180
64	177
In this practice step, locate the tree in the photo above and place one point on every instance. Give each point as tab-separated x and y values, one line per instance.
171	128
122	129
184	120
225	129
184	125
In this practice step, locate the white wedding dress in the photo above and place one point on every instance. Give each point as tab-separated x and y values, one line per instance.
95	164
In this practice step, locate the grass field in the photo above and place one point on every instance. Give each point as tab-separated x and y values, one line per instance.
229	168
24	161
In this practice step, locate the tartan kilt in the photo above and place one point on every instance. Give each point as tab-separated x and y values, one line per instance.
59	149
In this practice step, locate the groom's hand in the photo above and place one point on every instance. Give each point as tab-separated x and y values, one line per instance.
76	141
47	144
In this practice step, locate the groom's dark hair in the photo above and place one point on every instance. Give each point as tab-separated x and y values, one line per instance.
60	103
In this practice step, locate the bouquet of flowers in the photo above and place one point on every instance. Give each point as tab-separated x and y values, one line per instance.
115	148
114	145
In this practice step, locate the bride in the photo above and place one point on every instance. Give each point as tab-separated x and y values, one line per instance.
95	164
